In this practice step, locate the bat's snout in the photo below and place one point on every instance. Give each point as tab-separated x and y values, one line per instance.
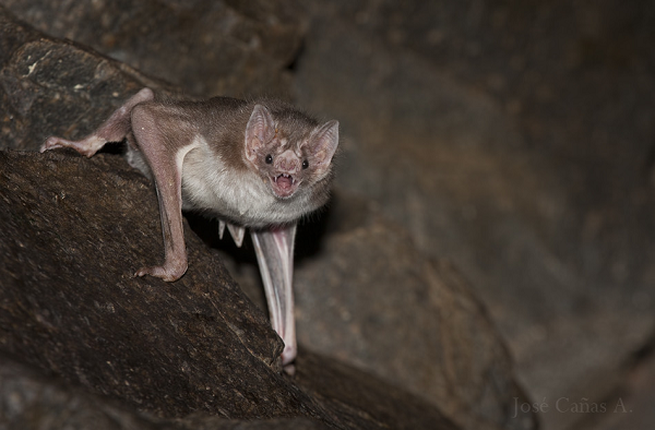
287	163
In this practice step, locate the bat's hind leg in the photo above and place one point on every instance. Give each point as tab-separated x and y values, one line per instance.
115	129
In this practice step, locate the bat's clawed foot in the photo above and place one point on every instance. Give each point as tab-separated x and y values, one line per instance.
87	146
167	272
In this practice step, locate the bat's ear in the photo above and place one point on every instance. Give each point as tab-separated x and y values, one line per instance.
259	131
322	146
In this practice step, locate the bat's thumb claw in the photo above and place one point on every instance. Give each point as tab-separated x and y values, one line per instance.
50	143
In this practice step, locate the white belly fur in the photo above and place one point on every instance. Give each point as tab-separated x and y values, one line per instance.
244	198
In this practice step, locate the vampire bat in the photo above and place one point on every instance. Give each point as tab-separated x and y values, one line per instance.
258	164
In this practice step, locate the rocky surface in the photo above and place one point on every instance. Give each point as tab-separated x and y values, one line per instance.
517	142
47	81
222	47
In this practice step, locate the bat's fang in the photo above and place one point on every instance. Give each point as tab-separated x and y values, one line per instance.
291	179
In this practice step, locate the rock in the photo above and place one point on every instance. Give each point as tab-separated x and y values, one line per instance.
52	86
29	399
629	407
514	142
207	48
371	298
74	230
68	284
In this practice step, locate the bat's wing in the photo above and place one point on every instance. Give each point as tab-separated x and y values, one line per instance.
274	250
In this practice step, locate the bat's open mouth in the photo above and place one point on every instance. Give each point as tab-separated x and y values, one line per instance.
284	185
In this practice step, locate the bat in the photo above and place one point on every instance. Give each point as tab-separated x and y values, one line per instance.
259	164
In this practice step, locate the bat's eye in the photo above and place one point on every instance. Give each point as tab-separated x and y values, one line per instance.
268	159
305	164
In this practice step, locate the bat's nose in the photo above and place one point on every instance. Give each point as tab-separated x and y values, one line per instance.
287	162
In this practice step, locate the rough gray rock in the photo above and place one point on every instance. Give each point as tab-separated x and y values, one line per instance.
49	85
516	142
205	47
31	400
77	310
371	298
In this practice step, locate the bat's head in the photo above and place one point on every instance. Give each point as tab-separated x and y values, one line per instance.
291	152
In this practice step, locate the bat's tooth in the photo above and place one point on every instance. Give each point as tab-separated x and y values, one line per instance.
237	233
221	228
